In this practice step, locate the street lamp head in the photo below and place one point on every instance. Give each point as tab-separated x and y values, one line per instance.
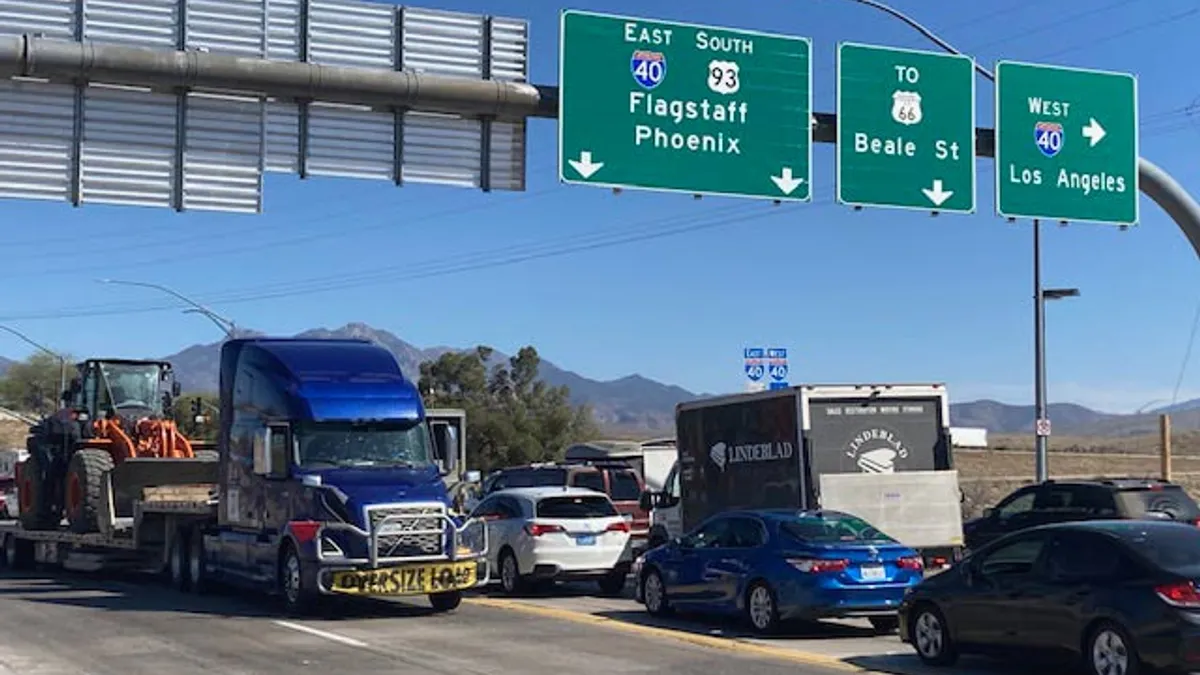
1059	293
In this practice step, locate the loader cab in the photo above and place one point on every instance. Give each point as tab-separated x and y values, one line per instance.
125	388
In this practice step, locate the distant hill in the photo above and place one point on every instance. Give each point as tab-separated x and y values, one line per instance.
632	403
4	364
636	404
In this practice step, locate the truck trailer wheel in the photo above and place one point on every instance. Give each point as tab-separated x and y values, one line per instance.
18	553
445	602
82	496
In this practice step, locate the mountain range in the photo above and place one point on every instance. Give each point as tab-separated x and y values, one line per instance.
638	405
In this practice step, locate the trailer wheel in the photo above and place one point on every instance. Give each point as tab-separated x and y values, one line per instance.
18	553
195	560
82	500
177	565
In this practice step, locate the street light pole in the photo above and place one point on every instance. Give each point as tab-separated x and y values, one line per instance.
1039	360
62	360
224	324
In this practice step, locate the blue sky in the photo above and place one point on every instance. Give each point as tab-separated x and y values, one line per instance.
870	296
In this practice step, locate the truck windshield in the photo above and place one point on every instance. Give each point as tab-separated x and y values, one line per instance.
328	444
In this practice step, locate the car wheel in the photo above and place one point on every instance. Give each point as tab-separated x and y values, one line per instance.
1110	651
654	593
445	602
761	610
884	624
930	636
510	573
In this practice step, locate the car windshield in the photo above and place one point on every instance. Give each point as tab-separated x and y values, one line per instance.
346	445
575	507
129	385
1174	548
625	486
831	529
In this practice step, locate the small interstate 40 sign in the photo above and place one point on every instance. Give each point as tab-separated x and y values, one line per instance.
676	107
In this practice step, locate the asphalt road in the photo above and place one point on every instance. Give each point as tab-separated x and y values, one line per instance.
68	624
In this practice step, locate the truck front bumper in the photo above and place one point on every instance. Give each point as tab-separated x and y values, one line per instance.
420	578
457	560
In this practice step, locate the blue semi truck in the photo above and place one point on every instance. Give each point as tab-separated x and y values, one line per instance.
328	478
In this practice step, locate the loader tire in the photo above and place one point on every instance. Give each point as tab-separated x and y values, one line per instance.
82	496
34	509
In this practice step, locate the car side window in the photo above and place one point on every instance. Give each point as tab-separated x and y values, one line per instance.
592	480
1095	501
709	535
507	507
1021	502
744	533
1084	557
1015	558
1060	498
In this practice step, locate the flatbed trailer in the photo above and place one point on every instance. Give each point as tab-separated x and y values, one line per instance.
142	541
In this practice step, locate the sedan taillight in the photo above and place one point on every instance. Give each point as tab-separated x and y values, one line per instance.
912	562
1179	594
621	526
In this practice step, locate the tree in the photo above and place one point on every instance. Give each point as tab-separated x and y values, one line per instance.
512	416
32	385
184	413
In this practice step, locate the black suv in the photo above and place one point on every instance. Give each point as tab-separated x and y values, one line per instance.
1057	501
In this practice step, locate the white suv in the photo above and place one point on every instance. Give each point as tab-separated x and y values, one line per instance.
555	533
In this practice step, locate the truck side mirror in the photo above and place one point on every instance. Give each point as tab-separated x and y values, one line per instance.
446	440
646	501
472	477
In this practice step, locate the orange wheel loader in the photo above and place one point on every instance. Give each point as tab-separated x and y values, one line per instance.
115	424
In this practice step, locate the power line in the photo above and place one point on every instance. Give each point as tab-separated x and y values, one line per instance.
430	269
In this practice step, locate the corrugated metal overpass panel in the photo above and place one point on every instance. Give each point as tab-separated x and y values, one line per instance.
208	150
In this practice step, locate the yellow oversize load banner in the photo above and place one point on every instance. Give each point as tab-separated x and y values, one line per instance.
406	580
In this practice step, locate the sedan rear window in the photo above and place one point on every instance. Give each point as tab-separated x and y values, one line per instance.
832	530
575	507
1173	548
625	486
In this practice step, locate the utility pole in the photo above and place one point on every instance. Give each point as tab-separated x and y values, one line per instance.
62	360
224	324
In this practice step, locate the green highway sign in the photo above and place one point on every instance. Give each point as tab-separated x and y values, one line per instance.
1066	144
906	128
678	107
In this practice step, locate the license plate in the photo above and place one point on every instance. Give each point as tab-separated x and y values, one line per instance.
873	573
586	540
407	580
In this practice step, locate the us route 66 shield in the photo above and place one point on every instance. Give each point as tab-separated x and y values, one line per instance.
906	107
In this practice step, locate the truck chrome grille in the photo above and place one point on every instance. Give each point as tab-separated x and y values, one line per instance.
408	531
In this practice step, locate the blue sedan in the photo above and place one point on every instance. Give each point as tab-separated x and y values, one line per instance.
773	565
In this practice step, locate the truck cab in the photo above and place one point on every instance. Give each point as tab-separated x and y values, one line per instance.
331	480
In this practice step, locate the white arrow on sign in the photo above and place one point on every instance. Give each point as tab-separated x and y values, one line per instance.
1094	132
786	182
584	165
937	195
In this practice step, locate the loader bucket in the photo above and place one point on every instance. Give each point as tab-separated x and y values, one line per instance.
131	477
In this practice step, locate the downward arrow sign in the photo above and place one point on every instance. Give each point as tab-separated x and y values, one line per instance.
786	182
937	195
584	165
1094	132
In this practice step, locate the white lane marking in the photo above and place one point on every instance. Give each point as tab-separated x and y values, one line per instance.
322	634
